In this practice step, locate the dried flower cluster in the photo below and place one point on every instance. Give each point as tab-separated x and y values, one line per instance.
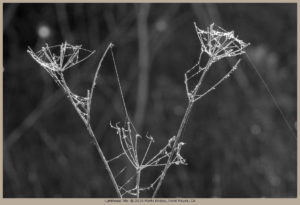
55	60
129	139
59	58
217	44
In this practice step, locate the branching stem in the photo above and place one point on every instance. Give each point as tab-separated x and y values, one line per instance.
95	142
183	124
179	134
138	179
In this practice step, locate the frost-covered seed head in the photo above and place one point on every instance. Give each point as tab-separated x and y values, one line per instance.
219	43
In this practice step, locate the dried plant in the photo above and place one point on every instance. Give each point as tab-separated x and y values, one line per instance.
216	43
55	63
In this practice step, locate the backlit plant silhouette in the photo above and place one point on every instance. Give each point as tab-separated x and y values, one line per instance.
216	43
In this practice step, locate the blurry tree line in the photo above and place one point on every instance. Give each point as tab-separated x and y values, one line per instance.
237	143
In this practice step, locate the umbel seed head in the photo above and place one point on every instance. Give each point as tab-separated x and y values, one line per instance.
61	57
219	43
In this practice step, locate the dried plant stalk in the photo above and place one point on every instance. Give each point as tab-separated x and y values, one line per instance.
55	64
215	42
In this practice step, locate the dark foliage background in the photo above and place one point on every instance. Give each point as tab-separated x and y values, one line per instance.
237	143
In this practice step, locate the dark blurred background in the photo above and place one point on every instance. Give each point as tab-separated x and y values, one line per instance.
237	143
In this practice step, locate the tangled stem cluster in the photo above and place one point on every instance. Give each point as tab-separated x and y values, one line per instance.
215	42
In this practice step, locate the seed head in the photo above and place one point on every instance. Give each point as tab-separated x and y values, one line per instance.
218	43
59	58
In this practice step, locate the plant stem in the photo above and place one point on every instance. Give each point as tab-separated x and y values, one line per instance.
90	130
88	126
182	126
179	133
138	179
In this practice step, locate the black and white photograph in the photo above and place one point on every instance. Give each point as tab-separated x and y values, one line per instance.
149	100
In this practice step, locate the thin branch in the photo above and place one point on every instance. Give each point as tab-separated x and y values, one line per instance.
120	87
179	134
116	157
104	160
98	69
130	191
132	154
129	180
219	82
122	170
157	155
134	146
146	152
